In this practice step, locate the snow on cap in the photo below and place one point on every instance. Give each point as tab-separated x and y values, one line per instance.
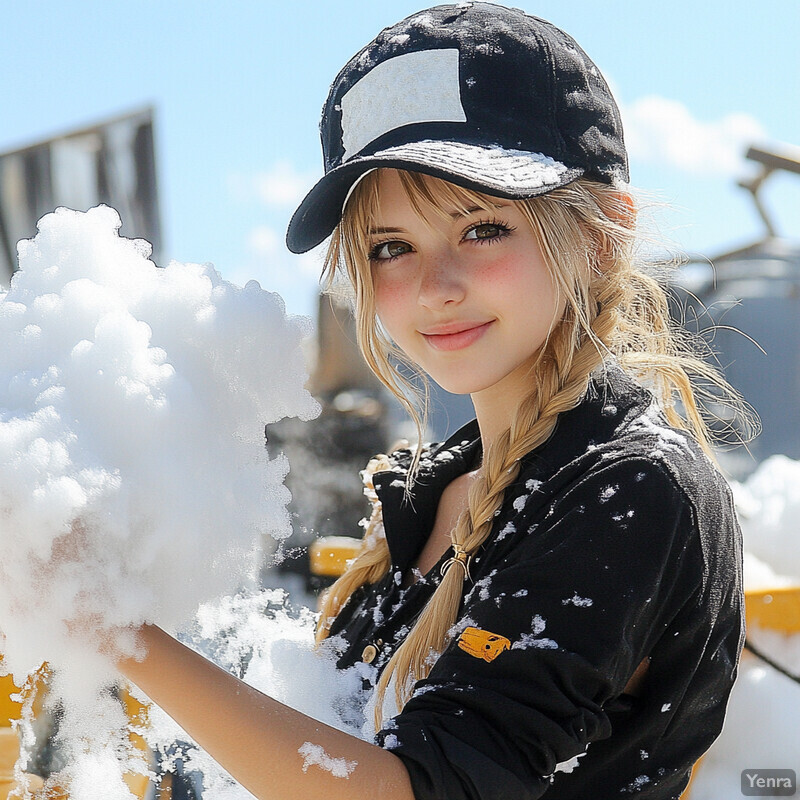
484	96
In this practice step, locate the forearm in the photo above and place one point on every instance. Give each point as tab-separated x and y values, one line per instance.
257	739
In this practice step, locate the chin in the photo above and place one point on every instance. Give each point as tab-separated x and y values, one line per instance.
459	384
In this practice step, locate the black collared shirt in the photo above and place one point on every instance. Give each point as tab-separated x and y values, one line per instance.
617	543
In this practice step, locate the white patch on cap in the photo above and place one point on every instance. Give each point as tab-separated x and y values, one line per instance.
494	167
413	87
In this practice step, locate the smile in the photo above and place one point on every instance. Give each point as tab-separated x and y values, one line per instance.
455	336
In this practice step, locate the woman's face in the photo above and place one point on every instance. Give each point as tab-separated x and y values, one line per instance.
467	297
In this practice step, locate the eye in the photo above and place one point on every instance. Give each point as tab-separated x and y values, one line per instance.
488	231
386	251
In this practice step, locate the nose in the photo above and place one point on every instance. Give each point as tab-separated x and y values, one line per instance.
441	282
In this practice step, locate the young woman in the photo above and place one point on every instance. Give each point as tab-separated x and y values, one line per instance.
550	602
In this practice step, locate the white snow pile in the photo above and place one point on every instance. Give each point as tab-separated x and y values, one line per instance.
134	478
760	729
769	510
268	643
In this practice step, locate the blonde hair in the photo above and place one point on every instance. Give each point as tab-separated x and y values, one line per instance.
614	309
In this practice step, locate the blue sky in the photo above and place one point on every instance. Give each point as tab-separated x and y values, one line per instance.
238	88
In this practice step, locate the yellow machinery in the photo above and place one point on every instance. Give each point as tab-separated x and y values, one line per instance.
10	711
775	609
329	555
11	702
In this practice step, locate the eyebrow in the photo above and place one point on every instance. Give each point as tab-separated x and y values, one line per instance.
474	209
382	231
454	215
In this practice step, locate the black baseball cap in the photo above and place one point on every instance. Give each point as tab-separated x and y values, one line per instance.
484	96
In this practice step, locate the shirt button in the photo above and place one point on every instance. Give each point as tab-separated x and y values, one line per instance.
368	656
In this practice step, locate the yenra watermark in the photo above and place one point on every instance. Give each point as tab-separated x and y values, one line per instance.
769	782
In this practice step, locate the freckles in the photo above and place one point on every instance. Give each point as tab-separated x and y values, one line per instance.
389	293
514	272
501	270
392	306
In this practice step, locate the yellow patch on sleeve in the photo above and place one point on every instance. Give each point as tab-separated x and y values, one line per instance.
483	644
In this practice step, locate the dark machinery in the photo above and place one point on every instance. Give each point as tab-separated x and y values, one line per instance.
747	301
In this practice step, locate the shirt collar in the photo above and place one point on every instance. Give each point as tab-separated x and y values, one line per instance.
612	398
410	516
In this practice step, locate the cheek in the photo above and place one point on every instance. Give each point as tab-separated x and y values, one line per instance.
388	292
502	271
391	304
520	277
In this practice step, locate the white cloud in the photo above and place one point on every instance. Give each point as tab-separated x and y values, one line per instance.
295	277
660	130
282	185
264	242
266	247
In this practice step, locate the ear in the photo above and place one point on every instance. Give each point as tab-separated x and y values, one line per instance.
622	209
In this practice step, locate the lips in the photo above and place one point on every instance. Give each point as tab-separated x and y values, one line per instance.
455	335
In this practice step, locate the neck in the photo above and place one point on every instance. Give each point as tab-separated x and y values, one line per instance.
491	425
496	406
495	416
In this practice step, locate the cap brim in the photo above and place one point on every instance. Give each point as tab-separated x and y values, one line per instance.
511	174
